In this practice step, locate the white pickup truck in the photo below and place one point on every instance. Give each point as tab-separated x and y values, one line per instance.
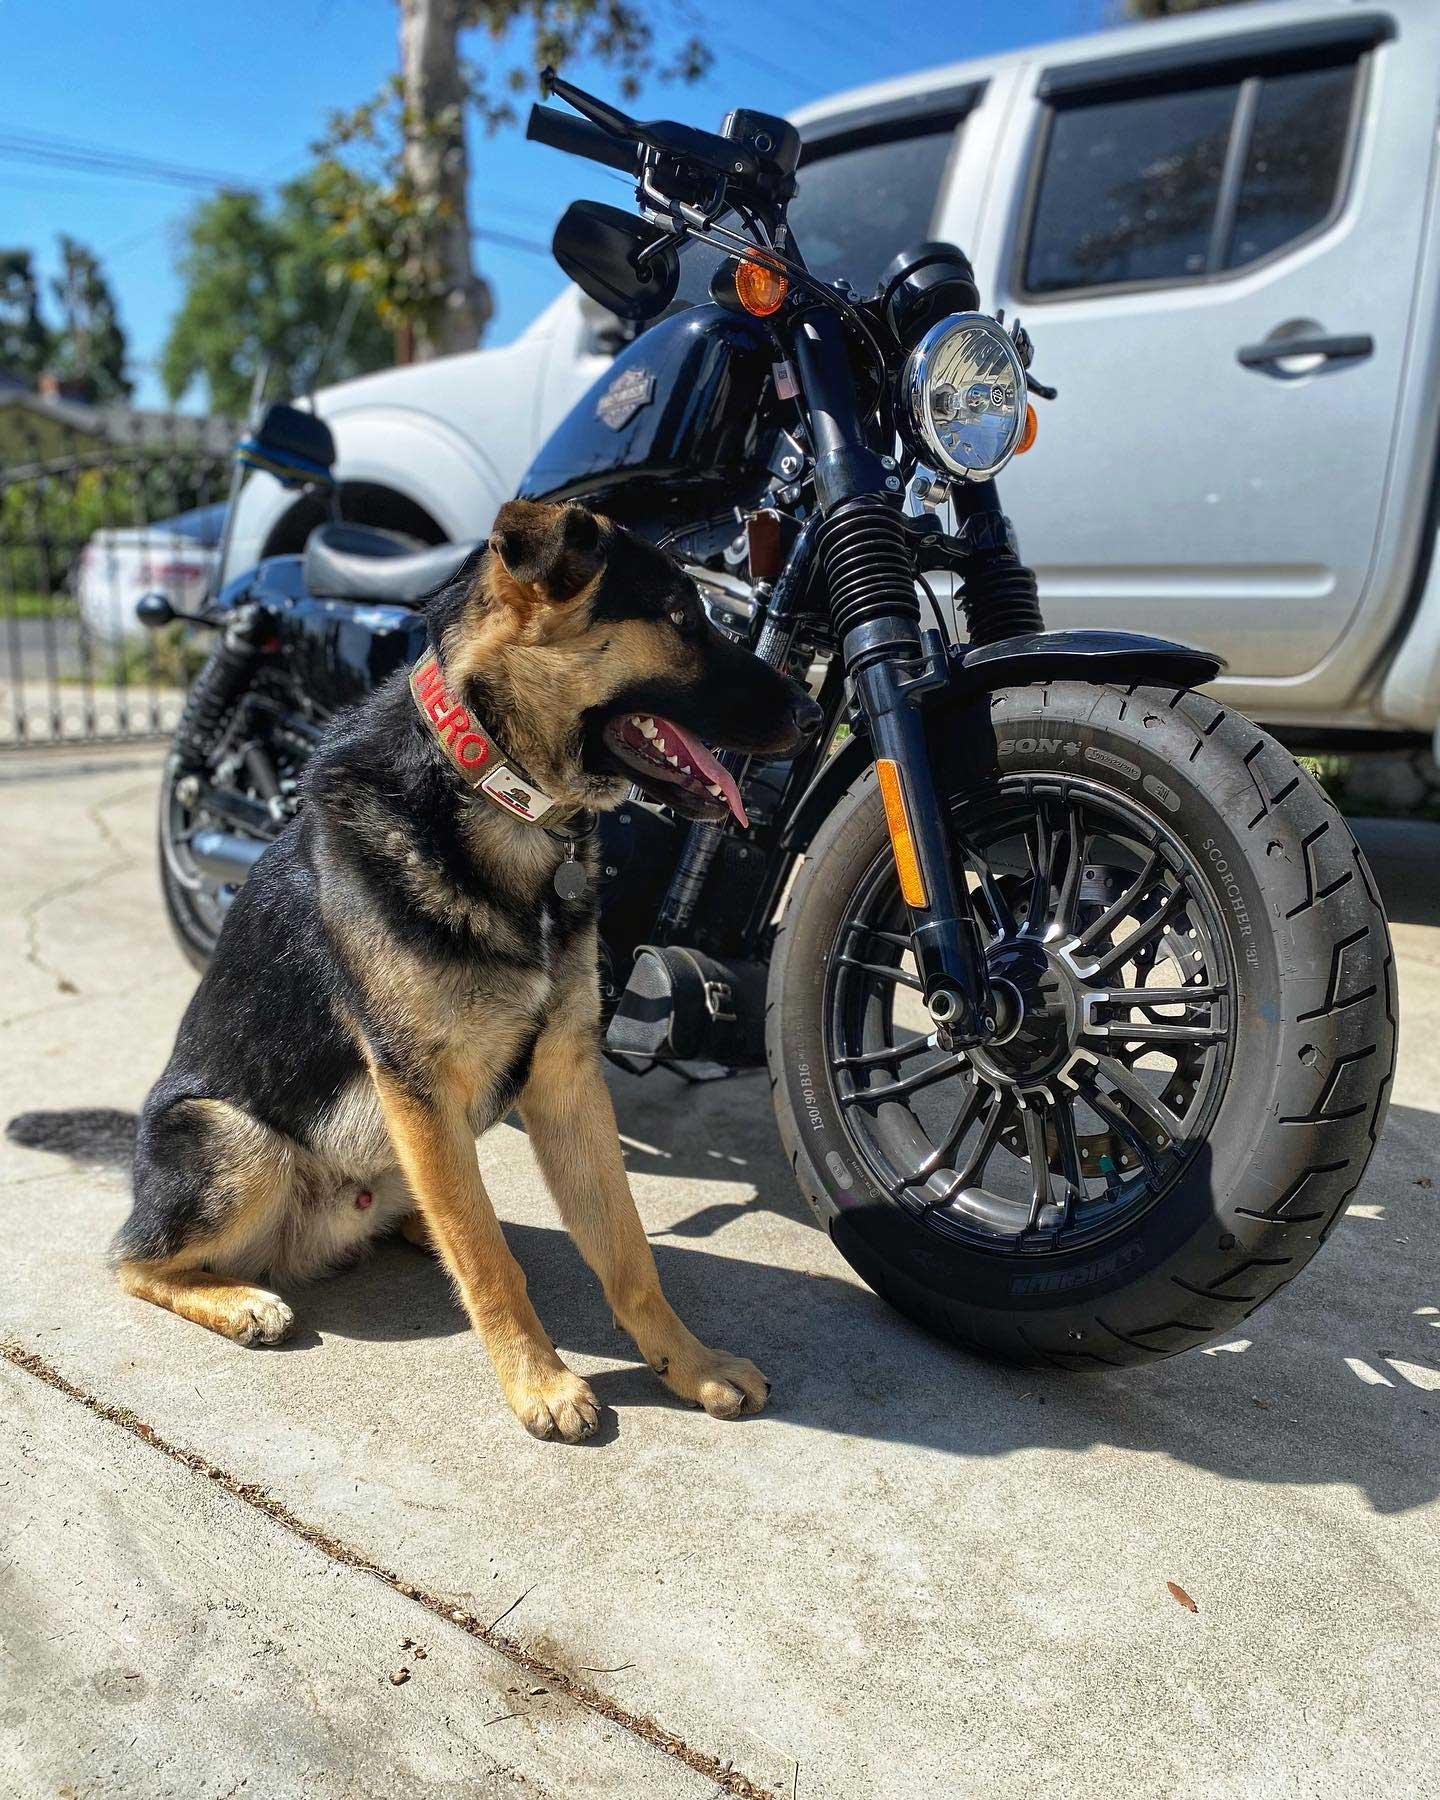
1221	233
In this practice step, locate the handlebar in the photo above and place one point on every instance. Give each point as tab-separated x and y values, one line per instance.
577	137
682	143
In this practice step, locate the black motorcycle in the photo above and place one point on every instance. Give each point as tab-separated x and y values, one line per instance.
1075	992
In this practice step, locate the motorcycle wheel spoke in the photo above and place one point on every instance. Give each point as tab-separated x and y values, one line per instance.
1002	917
1119	954
1149	1029
884	971
1130	1087
975	1162
1069	900
896	1090
989	1137
1124	1124
964	1118
898	938
1117	910
1038	1150
1042	855
892	1053
1063	1112
1158	1031
1158	996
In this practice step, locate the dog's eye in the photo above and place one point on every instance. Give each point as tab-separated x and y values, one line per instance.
679	618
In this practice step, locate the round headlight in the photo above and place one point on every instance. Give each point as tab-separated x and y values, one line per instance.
963	393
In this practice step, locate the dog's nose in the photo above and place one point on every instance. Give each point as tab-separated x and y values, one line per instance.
807	716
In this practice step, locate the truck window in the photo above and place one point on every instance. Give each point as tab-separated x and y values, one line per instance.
1129	189
1291	179
1176	186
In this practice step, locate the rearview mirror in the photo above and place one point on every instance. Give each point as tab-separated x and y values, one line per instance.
295	447
599	246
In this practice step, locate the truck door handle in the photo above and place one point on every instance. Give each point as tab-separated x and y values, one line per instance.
1277	350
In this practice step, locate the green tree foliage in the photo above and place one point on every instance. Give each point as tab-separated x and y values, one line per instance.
88	352
24	336
405	152
272	284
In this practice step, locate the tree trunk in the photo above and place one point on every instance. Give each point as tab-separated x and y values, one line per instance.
438	167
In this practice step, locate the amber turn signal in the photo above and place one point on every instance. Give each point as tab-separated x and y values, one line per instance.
897	820
760	287
1030	431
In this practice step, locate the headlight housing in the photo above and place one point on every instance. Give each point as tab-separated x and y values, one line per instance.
962	397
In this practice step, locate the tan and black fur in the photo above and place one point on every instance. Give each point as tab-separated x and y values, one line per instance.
399	971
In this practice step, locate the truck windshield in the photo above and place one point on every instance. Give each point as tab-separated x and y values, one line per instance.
859	208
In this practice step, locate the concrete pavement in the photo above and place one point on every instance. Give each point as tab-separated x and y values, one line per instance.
916	1575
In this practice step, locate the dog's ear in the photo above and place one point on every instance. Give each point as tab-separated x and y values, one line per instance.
552	551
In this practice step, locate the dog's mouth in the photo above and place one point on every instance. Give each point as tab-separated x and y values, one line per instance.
674	767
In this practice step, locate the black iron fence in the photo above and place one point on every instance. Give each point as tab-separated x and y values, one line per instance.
96	509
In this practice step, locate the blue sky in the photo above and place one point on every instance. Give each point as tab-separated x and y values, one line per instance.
244	90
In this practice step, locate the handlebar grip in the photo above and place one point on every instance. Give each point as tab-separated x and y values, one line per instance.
578	137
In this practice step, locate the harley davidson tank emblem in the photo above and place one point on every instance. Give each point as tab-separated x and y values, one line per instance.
624	397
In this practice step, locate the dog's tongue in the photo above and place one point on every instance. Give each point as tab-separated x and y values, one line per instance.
703	764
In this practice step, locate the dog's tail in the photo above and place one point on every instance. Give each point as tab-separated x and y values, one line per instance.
86	1134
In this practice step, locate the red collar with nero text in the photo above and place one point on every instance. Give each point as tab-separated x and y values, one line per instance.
472	752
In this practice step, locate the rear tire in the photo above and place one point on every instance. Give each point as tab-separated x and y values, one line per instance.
1311	1043
196	939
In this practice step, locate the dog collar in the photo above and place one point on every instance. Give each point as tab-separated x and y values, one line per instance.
473	753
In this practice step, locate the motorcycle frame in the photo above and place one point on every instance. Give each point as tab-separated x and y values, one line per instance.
897	674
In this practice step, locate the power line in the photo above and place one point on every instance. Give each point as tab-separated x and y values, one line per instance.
505	240
774	70
72	153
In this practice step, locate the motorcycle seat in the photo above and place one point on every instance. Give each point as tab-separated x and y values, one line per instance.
362	562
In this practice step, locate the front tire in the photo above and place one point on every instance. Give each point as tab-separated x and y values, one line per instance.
1213	1139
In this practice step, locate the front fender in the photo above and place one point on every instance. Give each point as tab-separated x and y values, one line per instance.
1115	658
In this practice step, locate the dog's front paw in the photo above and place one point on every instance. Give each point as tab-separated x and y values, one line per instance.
260	1318
726	1386
555	1404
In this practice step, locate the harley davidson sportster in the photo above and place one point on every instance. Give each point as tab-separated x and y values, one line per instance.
1075	992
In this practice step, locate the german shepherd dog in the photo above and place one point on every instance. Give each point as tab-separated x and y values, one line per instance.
417	953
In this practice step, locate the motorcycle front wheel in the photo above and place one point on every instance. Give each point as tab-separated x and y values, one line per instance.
1202	1067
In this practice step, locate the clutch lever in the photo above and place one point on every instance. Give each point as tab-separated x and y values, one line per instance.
1025	350
599	112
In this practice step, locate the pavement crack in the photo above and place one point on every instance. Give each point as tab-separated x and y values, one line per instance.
727	1780
123	859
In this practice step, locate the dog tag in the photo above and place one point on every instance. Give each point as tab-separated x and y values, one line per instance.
571	881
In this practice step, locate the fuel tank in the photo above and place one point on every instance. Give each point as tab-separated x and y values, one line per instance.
678	426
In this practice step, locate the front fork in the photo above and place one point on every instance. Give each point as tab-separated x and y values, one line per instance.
870	573
943	934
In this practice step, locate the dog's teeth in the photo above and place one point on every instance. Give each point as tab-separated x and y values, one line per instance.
717	790
674	761
647	728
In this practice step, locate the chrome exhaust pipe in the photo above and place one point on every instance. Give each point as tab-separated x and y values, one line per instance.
224	856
